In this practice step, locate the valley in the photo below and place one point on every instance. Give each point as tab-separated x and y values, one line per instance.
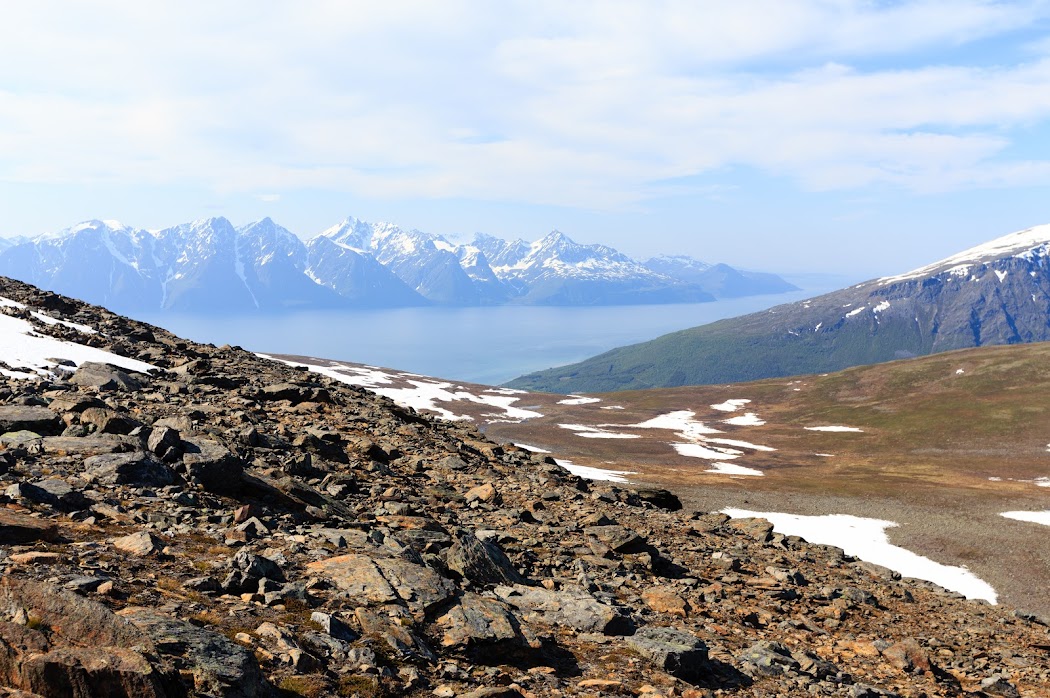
942	445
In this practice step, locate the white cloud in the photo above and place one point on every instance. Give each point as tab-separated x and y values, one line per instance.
588	104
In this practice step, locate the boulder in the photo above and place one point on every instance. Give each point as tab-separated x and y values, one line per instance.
571	607
40	420
217	666
18	528
675	651
475	620
212	465
128	469
482	562
106	377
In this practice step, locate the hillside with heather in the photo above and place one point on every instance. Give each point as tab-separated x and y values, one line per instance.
997	293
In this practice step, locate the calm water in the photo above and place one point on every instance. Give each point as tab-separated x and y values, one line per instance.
482	345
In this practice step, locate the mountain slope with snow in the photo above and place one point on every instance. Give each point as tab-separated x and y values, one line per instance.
211	266
998	293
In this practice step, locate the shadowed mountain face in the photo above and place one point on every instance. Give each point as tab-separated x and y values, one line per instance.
998	293
211	266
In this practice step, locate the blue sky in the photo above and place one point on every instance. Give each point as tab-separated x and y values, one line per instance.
787	135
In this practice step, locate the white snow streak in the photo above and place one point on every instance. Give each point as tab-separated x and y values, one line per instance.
866	539
1039	517
833	428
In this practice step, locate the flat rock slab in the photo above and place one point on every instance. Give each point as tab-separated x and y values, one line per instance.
385	580
29	418
106	377
571	607
18	528
89	445
218	666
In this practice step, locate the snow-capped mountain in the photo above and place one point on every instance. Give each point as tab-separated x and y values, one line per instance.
428	264
996	293
555	270
211	266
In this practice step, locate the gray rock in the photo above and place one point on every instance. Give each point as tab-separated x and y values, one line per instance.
18	528
212	465
106	377
107	421
89	445
333	626
570	607
128	469
218	666
481	562
475	620
27	418
675	651
618	538
769	658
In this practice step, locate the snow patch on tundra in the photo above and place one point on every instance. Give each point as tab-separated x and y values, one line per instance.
1039	517
834	428
730	405
589	473
866	539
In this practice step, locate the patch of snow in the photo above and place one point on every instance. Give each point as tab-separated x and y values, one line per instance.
884	305
48	320
995	479
856	311
424	393
8	303
596	433
730	469
819	325
1043	481
1039	517
741	444
959	371
21	348
1000	274
534	449
730	405
680	422
866	539
748	419
590	473
699	451
825	455
506	391
611	407
834	428
578	400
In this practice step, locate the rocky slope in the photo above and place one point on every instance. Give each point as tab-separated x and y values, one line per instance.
227	525
997	293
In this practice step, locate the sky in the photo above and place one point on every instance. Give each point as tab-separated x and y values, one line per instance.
859	137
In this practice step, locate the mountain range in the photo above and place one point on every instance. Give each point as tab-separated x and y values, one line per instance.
212	266
996	293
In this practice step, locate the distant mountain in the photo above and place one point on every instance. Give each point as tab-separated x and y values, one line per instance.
211	266
720	280
555	270
997	293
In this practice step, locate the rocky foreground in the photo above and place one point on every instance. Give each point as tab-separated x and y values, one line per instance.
232	526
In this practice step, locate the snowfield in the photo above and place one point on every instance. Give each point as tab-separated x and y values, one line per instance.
866	539
30	355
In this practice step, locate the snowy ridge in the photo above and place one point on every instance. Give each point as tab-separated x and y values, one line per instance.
209	265
1026	244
